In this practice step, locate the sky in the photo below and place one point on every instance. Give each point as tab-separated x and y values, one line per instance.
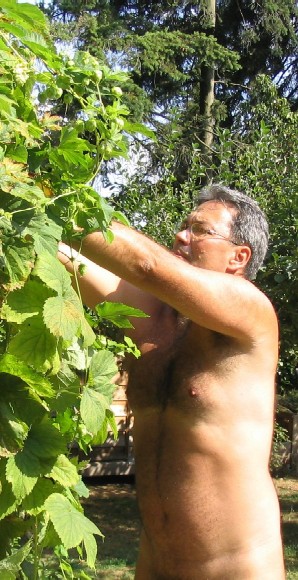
31	2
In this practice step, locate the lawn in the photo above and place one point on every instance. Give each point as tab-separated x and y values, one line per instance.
112	506
287	489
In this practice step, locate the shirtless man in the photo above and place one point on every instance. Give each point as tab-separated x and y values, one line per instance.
202	392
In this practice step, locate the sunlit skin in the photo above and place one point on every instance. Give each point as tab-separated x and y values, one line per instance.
202	394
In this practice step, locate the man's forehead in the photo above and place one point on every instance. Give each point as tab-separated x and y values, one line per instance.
213	210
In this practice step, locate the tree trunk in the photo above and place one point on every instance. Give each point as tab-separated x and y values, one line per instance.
207	87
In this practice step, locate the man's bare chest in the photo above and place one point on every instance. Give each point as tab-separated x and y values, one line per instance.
178	367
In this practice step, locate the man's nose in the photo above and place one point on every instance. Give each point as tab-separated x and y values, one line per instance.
183	236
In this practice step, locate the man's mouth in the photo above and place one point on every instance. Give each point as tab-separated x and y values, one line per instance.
182	255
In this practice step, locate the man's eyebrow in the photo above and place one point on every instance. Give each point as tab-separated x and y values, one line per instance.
192	220
201	221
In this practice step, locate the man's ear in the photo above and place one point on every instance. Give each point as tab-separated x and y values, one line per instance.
239	260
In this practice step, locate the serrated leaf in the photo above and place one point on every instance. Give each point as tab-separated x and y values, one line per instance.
19	261
34	41
93	409
33	503
107	210
25	404
87	333
16	473
6	104
44	440
64	472
10	566
25	14
76	356
19	153
101	435
120	217
91	549
30	193
67	384
61	317
68	157
118	313
107	389
139	128
70	524
52	273
81	489
112	422
13	431
102	368
39	384
45	233
26	302
34	344
8	502
70	139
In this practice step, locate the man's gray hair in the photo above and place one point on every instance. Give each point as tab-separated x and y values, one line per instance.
249	224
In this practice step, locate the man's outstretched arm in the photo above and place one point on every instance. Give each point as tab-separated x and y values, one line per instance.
96	284
221	302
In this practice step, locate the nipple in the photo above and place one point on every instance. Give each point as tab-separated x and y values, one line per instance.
192	392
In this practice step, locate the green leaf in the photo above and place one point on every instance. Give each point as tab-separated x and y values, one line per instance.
93	409
25	404
10	566
91	549
67	384
26	302
65	157
87	333
70	524
112	422
61	317
76	355
139	128
13	431
8	500
102	368
33	503
117	313
30	193
16	473
44	440
19	153
25	14
107	389
52	273
64	472
39	46
81	489
34	344
6	104
45	234
101	435
39	384
18	260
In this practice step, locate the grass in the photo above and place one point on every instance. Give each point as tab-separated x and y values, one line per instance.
112	507
287	489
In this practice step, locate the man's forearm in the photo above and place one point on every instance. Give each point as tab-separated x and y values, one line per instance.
130	255
94	283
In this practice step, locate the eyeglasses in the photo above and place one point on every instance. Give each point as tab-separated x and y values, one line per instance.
198	231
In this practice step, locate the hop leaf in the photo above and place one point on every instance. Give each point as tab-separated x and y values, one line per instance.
71	525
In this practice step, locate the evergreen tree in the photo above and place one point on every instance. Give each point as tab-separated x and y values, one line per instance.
191	63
